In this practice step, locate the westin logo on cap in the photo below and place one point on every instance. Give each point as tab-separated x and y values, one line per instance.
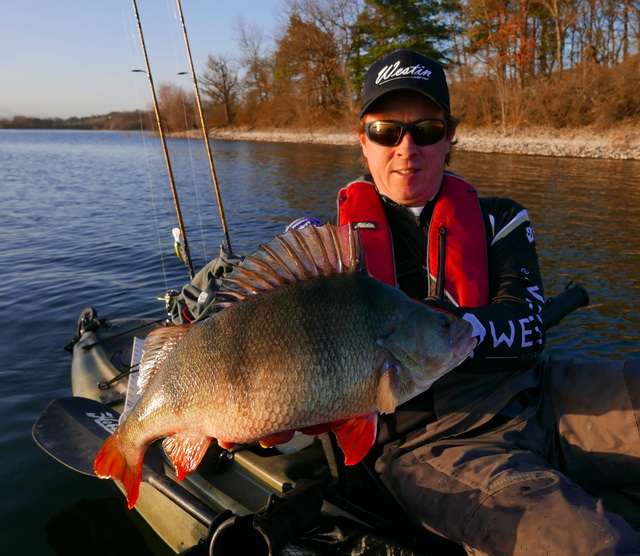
389	73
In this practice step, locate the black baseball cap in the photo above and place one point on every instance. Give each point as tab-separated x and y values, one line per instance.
405	70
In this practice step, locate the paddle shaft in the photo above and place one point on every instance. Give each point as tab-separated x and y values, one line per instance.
181	497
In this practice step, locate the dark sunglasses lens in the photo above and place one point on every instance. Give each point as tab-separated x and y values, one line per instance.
428	133
386	134
389	134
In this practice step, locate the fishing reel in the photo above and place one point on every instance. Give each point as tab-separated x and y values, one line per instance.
169	299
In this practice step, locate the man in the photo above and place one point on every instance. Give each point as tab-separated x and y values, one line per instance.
498	453
502	455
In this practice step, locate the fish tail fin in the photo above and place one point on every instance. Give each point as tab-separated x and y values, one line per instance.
111	463
185	452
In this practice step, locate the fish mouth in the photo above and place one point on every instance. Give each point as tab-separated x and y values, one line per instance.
462	349
462	344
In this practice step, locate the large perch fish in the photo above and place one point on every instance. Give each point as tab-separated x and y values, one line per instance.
306	341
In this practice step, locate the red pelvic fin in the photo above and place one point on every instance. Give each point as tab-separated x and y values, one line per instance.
356	437
111	463
225	445
315	430
185	452
278	438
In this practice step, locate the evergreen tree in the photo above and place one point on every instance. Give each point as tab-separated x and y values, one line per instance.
387	25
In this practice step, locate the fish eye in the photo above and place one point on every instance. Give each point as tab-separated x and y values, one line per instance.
445	322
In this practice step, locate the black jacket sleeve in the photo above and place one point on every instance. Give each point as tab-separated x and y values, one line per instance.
510	327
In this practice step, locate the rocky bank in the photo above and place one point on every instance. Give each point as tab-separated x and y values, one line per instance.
614	143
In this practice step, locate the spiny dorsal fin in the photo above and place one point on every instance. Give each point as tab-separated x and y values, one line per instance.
294	256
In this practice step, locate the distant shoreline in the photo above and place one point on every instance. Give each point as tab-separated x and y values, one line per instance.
616	143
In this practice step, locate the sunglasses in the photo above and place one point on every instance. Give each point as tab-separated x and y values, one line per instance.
389	133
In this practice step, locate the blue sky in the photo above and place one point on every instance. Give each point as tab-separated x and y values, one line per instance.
63	58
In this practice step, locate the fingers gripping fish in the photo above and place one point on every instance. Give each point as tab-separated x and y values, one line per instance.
306	341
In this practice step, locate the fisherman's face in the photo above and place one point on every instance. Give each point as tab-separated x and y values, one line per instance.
407	173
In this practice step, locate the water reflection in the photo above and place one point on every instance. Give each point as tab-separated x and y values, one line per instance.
265	186
584	214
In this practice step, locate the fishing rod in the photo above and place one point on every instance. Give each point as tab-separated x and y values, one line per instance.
204	131
176	201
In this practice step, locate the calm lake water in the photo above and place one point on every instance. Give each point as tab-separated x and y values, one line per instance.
86	219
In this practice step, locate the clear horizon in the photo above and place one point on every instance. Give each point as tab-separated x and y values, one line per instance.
75	58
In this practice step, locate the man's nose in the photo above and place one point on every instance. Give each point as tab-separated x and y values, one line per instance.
406	146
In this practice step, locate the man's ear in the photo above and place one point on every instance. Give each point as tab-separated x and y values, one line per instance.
363	142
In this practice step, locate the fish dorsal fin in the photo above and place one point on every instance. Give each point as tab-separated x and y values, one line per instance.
156	348
295	256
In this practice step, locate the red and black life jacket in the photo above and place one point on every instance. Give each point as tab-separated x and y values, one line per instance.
456	252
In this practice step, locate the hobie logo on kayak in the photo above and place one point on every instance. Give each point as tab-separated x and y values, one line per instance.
394	71
105	420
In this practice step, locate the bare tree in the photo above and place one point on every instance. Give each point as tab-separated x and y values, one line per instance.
258	68
501	41
564	14
337	20
220	84
177	107
307	59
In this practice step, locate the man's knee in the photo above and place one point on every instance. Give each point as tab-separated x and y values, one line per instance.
548	516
